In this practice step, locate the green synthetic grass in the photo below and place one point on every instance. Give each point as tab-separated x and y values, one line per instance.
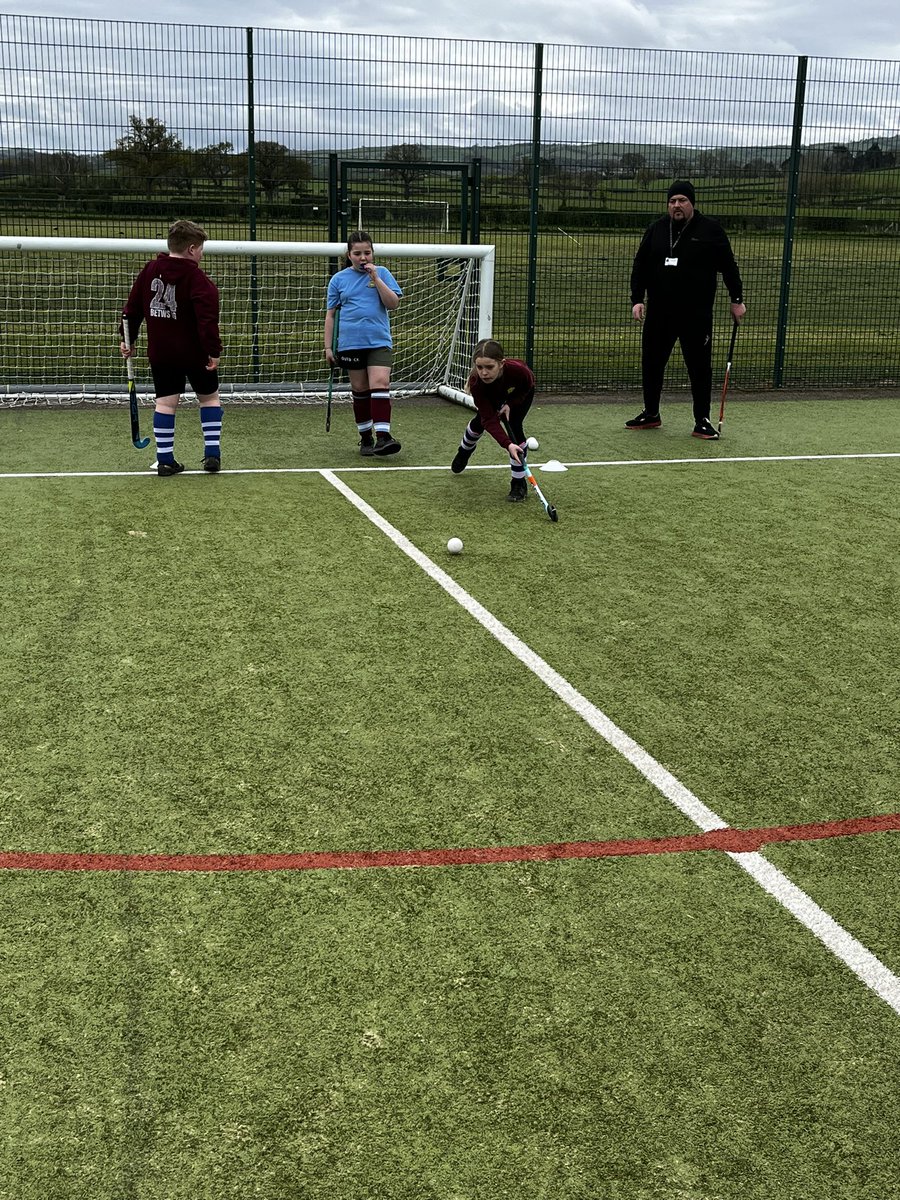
244	663
632	1031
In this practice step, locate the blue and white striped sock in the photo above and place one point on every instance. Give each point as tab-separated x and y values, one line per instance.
211	424
164	432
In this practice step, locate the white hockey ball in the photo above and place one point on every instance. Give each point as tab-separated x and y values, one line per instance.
455	545
533	443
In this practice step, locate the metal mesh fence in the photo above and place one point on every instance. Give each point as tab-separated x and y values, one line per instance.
559	155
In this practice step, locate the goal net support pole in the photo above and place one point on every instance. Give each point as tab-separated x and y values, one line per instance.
61	300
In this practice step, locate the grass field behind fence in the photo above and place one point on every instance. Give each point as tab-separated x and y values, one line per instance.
585	340
246	664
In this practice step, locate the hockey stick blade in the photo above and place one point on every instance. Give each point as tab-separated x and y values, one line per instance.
548	508
328	405
137	441
734	331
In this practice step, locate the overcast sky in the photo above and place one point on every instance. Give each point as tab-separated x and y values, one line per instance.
861	29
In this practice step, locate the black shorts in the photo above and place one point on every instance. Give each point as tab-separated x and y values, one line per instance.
170	381
359	360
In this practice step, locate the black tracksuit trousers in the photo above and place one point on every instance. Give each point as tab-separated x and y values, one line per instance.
661	332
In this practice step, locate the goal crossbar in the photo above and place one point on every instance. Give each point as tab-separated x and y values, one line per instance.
61	300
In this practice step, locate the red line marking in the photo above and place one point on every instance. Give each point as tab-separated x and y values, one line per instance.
734	841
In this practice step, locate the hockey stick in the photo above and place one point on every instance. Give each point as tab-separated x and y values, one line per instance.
334	335
548	508
137	441
328	405
727	372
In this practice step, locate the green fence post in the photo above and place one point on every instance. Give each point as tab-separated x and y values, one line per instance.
343	203
333	228
475	184
531	309
463	205
790	218
251	208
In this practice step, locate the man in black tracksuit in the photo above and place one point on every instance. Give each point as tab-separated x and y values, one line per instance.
677	267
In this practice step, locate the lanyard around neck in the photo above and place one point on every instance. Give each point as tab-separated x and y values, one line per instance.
673	244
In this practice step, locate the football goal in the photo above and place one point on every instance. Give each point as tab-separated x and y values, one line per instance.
376	214
61	301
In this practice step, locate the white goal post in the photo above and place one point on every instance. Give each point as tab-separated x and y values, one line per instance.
375	216
61	301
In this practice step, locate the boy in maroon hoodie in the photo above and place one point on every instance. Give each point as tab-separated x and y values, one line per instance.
180	305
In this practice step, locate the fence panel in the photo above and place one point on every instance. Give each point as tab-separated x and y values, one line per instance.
842	327
116	128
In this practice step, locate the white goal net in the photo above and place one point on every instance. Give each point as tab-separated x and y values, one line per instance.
61	301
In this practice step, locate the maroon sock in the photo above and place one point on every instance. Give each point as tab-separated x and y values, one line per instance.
381	411
362	409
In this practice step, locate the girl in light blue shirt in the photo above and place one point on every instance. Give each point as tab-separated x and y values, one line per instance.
364	295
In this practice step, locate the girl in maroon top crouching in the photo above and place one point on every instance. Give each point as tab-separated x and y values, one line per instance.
502	389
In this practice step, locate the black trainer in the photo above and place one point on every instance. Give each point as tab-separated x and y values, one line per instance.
385	444
461	460
704	429
367	445
518	490
212	463
645	420
172	468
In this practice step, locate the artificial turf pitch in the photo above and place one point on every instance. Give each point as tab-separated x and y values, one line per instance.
244	664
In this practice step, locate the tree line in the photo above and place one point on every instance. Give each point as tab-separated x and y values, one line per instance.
152	160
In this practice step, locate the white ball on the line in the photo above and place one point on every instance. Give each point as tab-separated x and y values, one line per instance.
455	545
532	443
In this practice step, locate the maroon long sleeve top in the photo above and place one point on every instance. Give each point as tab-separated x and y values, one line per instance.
513	387
180	305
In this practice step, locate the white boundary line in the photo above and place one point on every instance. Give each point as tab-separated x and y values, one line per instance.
612	462
150	472
672	462
862	962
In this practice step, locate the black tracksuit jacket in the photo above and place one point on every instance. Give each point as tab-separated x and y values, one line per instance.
689	289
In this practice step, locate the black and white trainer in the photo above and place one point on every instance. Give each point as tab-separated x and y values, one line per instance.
644	420
706	430
461	460
386	444
518	490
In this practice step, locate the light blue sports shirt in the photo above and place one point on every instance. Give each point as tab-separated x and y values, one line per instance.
364	323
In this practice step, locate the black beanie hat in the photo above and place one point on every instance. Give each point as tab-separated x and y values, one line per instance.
682	187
